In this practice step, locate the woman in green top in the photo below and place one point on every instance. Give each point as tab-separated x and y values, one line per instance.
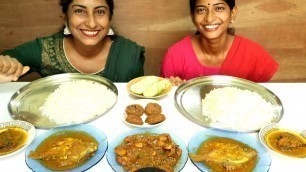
87	45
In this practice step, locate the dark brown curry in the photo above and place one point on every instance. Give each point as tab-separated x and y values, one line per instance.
65	150
225	154
148	150
11	139
287	143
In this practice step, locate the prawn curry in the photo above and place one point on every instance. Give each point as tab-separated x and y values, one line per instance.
65	150
225	154
148	150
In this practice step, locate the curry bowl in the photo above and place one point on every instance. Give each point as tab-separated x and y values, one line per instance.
119	141
284	141
263	160
15	136
87	148
228	103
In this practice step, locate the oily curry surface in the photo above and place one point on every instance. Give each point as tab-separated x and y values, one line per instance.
65	150
148	150
225	154
287	143
11	139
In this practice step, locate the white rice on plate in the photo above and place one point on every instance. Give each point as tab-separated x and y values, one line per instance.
77	101
237	109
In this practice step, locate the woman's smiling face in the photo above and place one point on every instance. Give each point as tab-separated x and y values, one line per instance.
212	17
88	20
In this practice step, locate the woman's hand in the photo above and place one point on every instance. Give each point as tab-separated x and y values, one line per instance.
11	69
176	81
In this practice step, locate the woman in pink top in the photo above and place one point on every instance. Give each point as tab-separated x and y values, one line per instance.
215	50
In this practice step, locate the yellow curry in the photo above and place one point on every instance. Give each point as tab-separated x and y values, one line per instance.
287	143
224	154
11	139
65	150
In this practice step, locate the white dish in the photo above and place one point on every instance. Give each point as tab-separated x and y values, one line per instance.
273	127
143	103
29	128
162	94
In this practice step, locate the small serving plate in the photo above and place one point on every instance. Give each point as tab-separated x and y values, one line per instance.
29	128
162	94
274	127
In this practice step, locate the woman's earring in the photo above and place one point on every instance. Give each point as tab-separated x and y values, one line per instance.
66	30
110	32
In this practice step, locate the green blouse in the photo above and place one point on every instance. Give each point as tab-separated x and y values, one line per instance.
46	56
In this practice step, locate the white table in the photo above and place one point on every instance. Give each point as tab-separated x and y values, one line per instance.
292	95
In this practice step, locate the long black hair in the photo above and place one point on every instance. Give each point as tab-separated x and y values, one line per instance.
230	3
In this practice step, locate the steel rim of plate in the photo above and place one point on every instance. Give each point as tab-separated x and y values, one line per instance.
226	81
14	103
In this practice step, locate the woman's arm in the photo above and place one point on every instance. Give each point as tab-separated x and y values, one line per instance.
168	70
19	60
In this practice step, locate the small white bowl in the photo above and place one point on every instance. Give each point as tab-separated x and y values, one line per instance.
273	127
28	127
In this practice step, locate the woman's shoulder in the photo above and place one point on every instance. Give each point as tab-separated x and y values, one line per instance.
244	42
58	35
248	48
125	41
51	38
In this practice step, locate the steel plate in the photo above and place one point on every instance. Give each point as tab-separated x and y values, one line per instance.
25	103
188	97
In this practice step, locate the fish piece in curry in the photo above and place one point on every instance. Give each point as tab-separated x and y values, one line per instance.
225	154
65	152
287	143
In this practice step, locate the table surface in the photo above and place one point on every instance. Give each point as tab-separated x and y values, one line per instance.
292	96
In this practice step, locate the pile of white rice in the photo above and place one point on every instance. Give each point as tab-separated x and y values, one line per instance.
236	109
77	101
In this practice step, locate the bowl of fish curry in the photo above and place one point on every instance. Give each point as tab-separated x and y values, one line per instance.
225	151
73	148
284	141
15	136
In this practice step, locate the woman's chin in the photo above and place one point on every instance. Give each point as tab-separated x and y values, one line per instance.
91	42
